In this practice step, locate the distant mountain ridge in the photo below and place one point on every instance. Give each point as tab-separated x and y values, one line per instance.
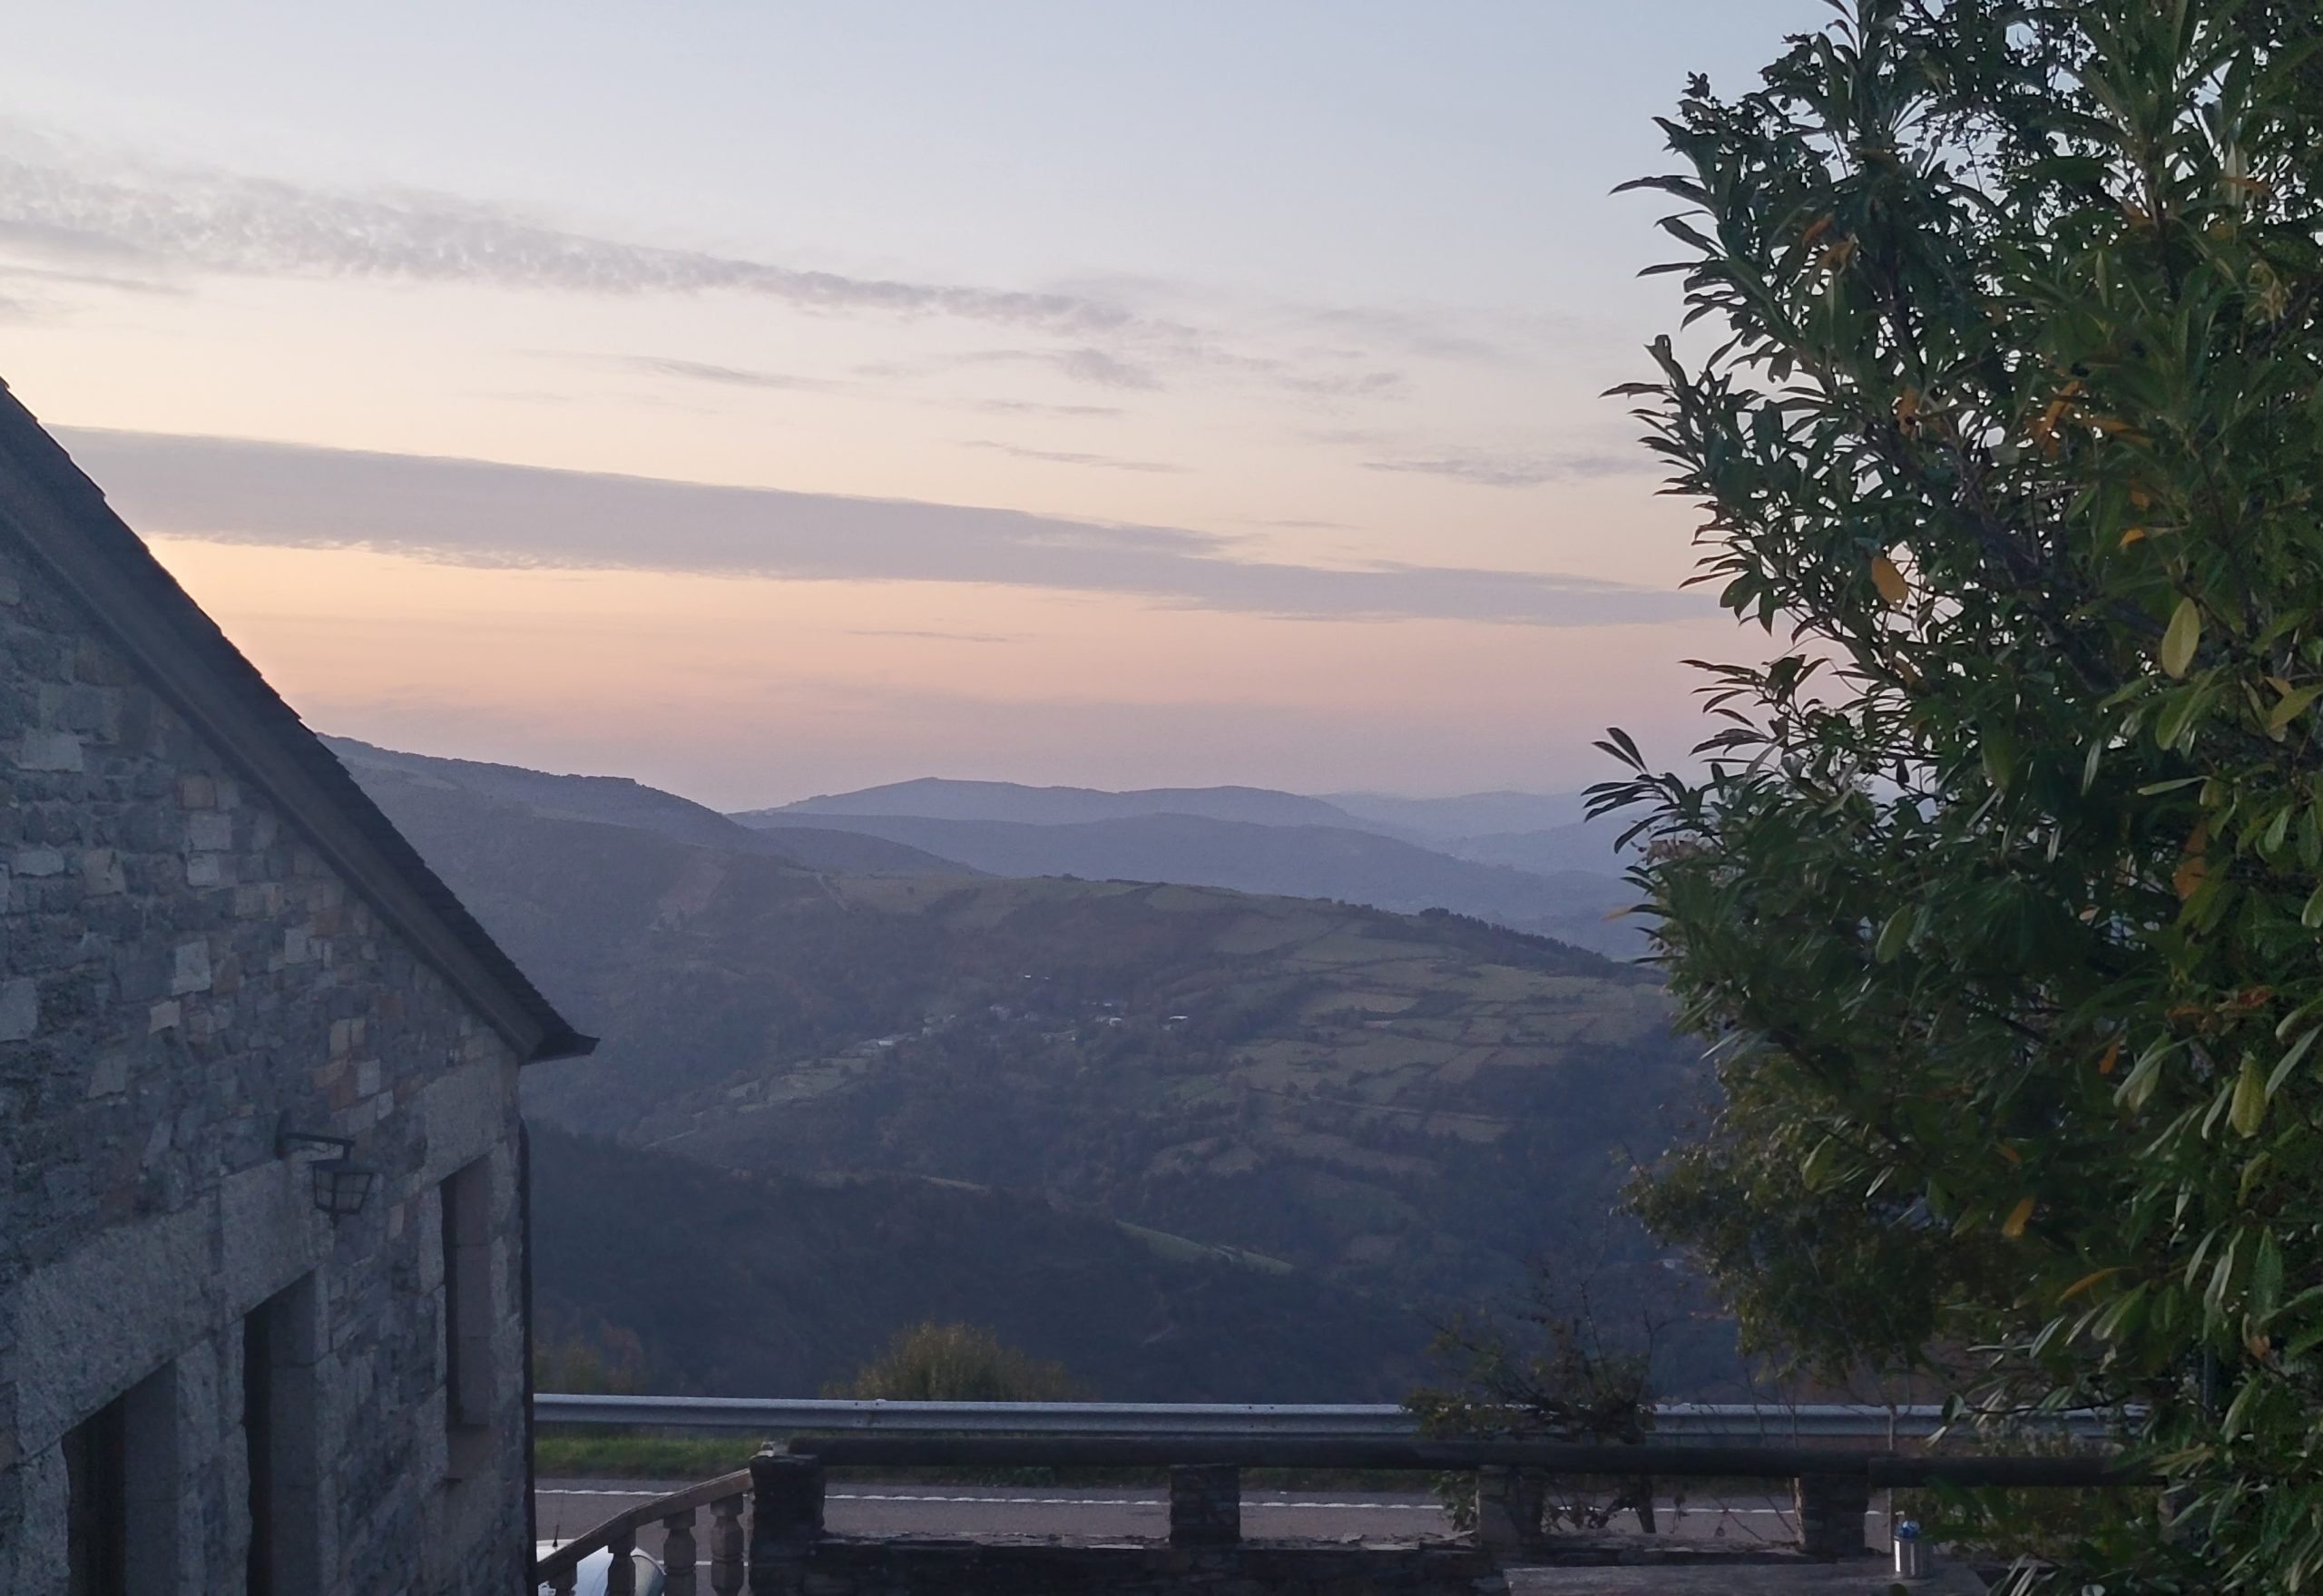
937	798
1440	821
617	801
1542	832
1342	863
1529	861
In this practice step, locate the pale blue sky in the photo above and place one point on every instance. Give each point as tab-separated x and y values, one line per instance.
1312	286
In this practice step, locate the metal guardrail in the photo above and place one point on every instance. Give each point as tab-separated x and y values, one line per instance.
1680	1422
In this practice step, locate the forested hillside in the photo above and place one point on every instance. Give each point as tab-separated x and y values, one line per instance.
745	1284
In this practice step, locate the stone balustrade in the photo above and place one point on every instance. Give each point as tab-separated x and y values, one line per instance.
789	1553
676	1514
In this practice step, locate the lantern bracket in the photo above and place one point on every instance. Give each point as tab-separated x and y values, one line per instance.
342	1186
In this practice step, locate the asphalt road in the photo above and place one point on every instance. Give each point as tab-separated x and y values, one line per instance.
567	1507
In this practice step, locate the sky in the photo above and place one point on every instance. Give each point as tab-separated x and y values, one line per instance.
764	400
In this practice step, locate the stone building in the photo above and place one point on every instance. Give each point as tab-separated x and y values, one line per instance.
216	955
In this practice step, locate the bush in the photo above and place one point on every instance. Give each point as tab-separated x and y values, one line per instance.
959	1363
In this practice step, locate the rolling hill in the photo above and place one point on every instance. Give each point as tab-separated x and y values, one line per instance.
1409	1104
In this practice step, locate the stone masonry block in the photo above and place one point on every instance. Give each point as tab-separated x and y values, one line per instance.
49	750
189	968
19	1009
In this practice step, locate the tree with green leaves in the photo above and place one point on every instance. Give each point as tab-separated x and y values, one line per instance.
1999	885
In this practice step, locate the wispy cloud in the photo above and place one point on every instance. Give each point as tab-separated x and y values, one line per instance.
1350	385
474	513
1069	457
1088	364
88	279
724	376
125	220
1029	408
931	636
63	198
1485	470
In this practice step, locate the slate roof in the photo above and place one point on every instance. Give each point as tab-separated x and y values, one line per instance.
63	517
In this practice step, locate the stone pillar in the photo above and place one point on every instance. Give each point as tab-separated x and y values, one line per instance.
1205	1505
1831	1509
1508	1510
786	1520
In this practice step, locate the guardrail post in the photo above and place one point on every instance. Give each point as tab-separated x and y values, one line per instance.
1508	1510
786	1519
1831	1509
1205	1505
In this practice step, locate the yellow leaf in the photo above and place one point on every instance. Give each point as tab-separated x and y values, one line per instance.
2136	534
2085	1282
2188	879
2112	1056
2292	703
1889	581
2182	637
2249	1109
2192	867
2011	1154
2013	1225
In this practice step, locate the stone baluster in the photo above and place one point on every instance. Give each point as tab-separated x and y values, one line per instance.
726	1545
1205	1505
561	1581
677	1553
1831	1509
620	1575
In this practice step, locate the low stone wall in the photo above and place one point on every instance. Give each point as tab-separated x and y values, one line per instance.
843	1566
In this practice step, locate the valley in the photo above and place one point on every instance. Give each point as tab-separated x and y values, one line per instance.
1328	1120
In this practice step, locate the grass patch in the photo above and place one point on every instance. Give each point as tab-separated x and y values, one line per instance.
645	1457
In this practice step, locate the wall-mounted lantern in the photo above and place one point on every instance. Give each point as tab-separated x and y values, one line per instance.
342	1186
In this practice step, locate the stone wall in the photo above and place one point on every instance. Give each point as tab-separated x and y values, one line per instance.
180	973
842	1567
